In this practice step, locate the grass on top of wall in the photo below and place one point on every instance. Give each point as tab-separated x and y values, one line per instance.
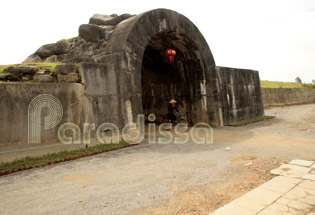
2	67
36	64
278	84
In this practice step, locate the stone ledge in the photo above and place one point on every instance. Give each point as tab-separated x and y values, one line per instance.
292	193
302	163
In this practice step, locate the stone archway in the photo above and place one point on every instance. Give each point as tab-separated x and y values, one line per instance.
140	41
180	80
122	72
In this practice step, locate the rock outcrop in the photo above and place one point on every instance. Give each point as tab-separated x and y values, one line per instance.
86	47
66	73
48	50
98	19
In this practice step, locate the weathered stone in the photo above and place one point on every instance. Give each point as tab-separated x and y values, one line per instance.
107	27
44	70
61	47
91	33
64	69
69	78
281	184
302	163
44	78
83	59
107	35
290	171
298	205
40	72
52	58
5	76
274	209
46	67
32	59
99	19
27	77
309	177
20	70
283	96
108	20
17	99
99	79
306	184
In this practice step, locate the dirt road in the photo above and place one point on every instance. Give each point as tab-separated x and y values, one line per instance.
166	179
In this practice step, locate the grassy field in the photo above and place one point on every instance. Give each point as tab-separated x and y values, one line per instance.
278	84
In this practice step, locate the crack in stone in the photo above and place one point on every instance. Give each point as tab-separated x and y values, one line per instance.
279	198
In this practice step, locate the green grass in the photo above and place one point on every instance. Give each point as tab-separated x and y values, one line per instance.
309	85
40	64
245	122
51	158
2	67
278	84
36	64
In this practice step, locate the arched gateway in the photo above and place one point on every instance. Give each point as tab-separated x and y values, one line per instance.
141	41
122	72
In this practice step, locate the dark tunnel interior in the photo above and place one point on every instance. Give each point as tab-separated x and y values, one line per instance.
180	80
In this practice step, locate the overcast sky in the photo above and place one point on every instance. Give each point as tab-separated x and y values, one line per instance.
276	37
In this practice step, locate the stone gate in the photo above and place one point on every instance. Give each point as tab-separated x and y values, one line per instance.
122	72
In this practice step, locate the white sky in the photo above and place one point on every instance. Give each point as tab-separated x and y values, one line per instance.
276	37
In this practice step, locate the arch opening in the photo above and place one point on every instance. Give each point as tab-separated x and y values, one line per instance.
181	80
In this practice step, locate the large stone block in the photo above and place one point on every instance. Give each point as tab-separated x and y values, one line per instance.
72	77
64	69
91	33
100	19
15	110
44	78
17	70
99	78
108	20
58	48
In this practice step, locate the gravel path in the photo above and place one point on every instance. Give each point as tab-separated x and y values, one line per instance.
165	179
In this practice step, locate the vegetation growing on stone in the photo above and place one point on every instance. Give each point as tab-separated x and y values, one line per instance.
2	67
312	85
38	72
278	84
37	65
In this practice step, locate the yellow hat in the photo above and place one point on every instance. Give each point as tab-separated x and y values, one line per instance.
172	101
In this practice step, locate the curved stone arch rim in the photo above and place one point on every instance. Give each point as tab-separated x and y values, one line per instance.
142	28
200	43
128	29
